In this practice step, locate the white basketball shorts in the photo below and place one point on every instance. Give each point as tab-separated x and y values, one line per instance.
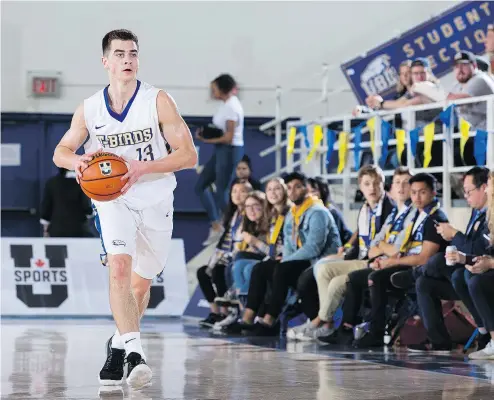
144	234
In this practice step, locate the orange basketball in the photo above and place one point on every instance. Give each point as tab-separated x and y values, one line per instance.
101	180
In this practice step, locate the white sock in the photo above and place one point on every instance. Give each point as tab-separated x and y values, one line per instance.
132	343
483	331
117	342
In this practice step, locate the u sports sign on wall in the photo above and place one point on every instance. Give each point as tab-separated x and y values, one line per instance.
65	277
463	27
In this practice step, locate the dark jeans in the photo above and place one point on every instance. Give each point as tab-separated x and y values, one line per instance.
217	278
358	284
436	268
220	170
430	292
285	276
261	276
481	288
307	293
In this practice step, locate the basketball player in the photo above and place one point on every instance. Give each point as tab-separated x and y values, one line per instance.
141	124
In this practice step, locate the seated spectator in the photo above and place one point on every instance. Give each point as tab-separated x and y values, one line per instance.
212	277
480	280
332	276
440	280
420	243
471	83
244	171
309	233
319	188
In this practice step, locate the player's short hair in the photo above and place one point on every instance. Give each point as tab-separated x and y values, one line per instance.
402	171
118	34
225	83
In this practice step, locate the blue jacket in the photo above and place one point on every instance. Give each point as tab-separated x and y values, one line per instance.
318	234
474	242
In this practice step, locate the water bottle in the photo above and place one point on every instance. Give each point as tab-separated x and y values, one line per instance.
450	249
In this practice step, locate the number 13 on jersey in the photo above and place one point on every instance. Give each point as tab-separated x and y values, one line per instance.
146	153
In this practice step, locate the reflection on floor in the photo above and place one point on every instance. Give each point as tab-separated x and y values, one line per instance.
61	359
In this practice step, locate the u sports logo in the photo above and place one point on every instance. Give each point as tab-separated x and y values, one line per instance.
32	274
105	167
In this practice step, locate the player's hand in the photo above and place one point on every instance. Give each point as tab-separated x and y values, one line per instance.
136	170
81	163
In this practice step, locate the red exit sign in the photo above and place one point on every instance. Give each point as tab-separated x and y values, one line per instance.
44	86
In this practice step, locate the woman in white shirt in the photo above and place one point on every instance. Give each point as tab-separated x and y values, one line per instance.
228	151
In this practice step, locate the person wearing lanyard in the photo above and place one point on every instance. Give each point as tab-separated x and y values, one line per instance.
228	151
440	281
420	243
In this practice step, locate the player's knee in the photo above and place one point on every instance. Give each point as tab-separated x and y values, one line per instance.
120	267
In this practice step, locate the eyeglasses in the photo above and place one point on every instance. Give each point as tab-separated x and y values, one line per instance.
467	193
255	207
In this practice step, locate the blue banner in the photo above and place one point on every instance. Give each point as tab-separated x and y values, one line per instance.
463	27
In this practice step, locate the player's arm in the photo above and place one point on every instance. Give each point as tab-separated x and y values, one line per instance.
177	134
64	155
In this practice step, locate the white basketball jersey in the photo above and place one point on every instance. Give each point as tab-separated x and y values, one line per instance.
133	134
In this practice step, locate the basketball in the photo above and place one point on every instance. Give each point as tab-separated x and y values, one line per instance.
101	180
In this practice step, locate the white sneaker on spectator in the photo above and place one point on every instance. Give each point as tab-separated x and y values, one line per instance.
231	318
312	333
485	354
293	332
213	236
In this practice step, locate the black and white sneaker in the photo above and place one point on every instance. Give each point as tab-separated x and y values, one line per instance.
211	319
139	374
113	371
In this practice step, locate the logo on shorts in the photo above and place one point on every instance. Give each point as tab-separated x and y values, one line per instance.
105	167
119	243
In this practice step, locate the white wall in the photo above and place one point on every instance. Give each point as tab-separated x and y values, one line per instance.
186	44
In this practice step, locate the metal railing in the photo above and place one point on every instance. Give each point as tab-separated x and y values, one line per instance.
317	166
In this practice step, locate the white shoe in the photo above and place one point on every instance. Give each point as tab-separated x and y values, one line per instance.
213	237
230	319
484	354
140	374
311	333
292	333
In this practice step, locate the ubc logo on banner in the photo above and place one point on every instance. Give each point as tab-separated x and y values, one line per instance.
40	279
463	27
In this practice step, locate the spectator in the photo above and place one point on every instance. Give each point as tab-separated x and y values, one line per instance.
332	276
65	209
402	87
320	189
228	151
471	83
309	233
480	280
215	271
489	46
244	171
420	243
441	281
